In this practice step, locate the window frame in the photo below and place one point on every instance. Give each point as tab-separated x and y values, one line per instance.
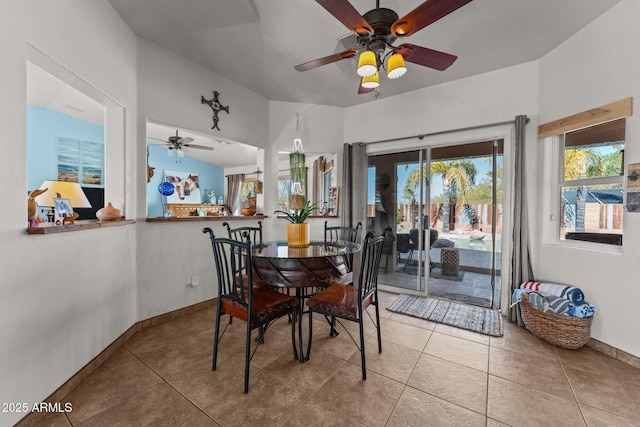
562	182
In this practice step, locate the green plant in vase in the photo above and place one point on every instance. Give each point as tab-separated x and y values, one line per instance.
298	234
299	216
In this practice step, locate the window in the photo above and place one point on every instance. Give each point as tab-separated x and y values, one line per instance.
591	184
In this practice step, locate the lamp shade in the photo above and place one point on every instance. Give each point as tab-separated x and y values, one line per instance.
371	82
367	64
396	66
66	190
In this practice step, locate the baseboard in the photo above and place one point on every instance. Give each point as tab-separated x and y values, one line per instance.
616	353
33	419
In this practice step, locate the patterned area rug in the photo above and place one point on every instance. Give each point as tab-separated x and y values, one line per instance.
482	320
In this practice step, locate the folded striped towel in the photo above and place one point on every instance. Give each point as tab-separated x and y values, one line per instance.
583	311
573	294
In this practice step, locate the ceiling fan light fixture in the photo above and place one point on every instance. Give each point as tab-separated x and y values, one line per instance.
367	64
371	82
396	66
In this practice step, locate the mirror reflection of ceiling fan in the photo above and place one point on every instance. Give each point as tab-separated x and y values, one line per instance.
178	144
376	32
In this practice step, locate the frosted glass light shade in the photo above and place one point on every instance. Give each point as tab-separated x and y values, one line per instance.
371	82
367	64
396	66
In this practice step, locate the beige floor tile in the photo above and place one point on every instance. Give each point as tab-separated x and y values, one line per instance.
406	335
548	376
177	355
494	423
153	338
395	361
458	350
270	402
202	322
45	419
414	321
459	384
274	347
341	346
532	407
590	360
308	376
417	408
316	414
606	392
369	402
120	378
159	405
598	418
520	340
200	420
202	386
462	333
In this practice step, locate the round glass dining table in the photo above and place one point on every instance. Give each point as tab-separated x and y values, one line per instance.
306	270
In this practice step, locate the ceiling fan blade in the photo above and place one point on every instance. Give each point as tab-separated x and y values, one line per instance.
425	14
348	15
185	140
349	53
427	57
200	147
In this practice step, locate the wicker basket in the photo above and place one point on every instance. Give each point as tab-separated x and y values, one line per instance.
557	329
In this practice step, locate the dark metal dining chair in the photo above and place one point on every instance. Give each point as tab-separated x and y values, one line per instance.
349	234
351	302
255	233
255	305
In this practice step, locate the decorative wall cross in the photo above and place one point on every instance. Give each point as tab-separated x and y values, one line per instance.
216	107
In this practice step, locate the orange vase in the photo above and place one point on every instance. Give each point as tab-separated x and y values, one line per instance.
298	235
108	213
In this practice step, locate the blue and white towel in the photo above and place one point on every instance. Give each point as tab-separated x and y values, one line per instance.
583	311
573	294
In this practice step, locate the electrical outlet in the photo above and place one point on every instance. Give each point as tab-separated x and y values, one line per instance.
194	281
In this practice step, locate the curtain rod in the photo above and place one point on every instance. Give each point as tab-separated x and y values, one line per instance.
442	132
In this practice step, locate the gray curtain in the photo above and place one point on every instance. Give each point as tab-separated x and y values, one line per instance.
234	186
353	197
521	270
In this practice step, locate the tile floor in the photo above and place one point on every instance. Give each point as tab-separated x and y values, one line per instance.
427	374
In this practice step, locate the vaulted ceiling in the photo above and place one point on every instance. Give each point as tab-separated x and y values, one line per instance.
257	43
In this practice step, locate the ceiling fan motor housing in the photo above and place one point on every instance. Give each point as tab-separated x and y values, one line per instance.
380	20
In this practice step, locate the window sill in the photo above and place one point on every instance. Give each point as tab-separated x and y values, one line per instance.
203	218
49	228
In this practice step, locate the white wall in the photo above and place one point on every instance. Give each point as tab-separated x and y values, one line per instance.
598	65
322	130
64	297
169	91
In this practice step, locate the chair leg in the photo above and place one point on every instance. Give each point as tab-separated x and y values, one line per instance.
409	258
378	324
247	356
310	332
362	352
216	336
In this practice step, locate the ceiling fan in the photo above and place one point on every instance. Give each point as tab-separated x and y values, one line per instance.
376	32
178	143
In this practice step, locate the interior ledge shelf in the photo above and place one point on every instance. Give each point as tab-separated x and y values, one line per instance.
49	228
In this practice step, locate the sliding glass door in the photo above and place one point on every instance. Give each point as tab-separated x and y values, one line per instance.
444	205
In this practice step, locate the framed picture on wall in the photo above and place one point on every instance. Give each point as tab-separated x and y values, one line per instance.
332	207
187	187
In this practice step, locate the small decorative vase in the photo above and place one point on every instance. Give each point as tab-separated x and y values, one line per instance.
298	235
108	213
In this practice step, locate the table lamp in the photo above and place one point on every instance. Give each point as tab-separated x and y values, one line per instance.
62	190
